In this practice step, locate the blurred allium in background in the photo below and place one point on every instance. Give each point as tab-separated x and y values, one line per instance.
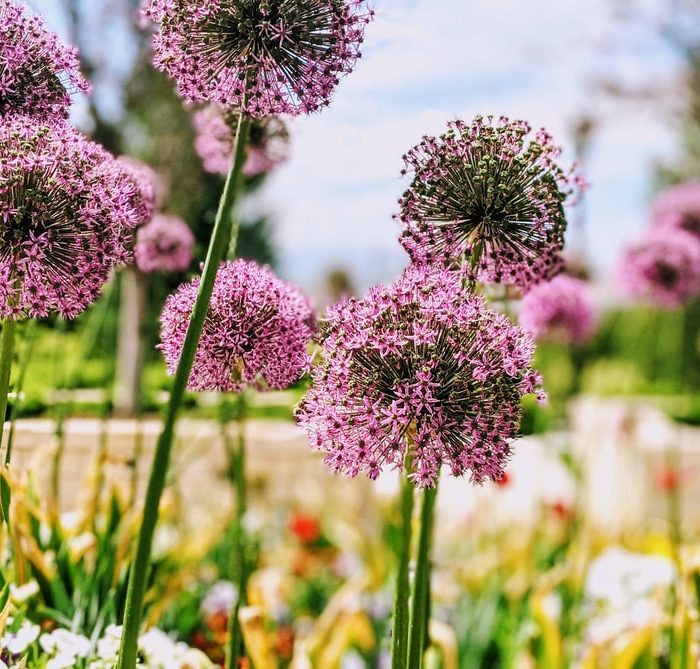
149	188
264	58
166	244
418	372
37	71
679	207
268	143
256	332
664	269
561	310
66	214
486	195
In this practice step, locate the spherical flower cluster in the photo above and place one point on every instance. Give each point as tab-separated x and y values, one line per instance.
256	331
65	211
37	71
483	195
664	269
166	244
267	147
421	373
559	310
265	57
148	188
679	207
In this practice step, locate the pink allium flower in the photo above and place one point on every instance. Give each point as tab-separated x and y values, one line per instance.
37	71
664	269
256	331
166	244
419	371
482	194
265	57
679	207
559	310
149	188
65	218
215	127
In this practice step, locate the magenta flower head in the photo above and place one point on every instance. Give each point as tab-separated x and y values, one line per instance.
559	310
65	218
484	195
679	207
663	269
149	193
37	71
421	374
263	57
215	127
256	332
166	244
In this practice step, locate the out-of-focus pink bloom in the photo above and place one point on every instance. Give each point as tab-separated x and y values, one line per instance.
256	332
268	144
149	185
37	71
664	269
679	207
166	244
419	371
559	310
264	58
488	196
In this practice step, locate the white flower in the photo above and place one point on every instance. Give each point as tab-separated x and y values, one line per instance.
61	645
221	598
159	649
21	593
108	645
17	642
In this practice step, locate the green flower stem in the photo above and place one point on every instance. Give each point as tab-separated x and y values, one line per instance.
7	345
218	246
399	647
418	634
239	568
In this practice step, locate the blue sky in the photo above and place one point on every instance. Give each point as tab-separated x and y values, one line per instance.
426	61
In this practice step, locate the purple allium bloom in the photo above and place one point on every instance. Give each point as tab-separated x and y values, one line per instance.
559	310
37	71
263	57
664	269
679	207
256	332
267	147
149	188
419	371
166	244
65	218
483	195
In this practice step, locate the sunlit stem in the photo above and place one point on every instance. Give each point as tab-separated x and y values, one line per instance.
218	247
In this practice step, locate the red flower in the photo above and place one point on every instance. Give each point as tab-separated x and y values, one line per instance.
305	528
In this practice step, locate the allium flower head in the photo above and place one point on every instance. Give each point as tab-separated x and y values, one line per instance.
559	310
37	71
664	269
267	147
423	372
679	207
164	245
262	56
485	195
65	218
149	188
256	332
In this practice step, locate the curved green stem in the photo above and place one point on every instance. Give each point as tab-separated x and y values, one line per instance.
418	635
7	345
399	646
218	247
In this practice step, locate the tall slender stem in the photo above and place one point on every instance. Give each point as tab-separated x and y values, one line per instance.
399	648
239	569
218	246
7	345
421	586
